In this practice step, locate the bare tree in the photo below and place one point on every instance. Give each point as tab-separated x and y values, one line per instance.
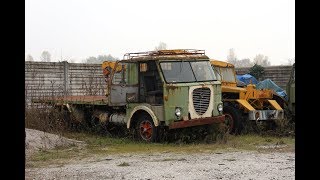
232	58
29	58
244	63
161	46
45	56
262	60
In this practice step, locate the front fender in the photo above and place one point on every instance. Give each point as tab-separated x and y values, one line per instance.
146	109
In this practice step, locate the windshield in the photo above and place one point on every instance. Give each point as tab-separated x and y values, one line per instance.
227	74
187	71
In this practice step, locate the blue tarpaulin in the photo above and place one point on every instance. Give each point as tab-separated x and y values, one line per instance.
269	84
247	79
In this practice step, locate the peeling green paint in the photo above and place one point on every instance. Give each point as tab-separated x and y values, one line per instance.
177	96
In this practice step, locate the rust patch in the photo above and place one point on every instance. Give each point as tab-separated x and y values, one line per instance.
172	87
197	122
165	97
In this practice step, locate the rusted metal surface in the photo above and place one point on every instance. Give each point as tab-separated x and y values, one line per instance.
82	98
73	100
173	52
197	122
264	115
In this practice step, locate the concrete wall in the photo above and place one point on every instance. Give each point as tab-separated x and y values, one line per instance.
62	78
278	74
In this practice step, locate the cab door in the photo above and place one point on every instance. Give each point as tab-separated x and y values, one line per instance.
124	85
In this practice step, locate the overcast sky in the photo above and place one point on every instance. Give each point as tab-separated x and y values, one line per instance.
77	29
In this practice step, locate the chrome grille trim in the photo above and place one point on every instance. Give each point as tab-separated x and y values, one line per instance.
201	100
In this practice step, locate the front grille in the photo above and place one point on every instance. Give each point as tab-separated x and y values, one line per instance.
201	100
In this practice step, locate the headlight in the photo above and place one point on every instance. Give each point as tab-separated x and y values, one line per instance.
178	112
220	107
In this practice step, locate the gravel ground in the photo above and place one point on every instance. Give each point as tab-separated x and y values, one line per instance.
218	165
231	165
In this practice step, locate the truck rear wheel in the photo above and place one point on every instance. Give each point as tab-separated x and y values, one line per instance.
233	119
145	129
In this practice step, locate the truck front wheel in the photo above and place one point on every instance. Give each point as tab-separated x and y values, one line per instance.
233	119
145	129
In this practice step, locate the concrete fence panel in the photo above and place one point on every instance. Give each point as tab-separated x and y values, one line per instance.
43	79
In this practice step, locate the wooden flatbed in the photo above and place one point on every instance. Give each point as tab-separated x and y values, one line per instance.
95	100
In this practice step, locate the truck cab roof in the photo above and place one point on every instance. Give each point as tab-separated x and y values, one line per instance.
218	63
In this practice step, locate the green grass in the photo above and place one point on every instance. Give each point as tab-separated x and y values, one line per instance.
100	145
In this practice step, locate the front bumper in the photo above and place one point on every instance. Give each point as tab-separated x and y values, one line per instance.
263	115
197	122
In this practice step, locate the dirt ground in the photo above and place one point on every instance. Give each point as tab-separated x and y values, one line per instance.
218	165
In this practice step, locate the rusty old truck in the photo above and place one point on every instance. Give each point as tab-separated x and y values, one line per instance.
245	103
147	91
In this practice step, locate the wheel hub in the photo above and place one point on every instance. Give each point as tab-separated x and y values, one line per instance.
146	130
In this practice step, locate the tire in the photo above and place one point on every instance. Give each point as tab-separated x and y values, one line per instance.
233	119
146	130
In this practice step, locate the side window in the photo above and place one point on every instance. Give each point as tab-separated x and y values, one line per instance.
132	73
120	74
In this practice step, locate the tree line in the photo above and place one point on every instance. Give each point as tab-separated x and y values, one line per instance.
259	59
46	57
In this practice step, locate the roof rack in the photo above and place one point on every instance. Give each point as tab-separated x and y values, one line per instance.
164	52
